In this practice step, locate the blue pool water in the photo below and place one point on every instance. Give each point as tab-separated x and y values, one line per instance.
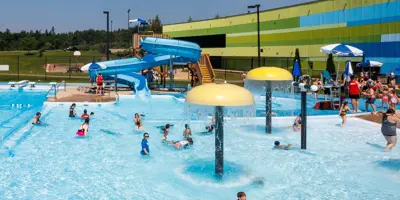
16	107
49	162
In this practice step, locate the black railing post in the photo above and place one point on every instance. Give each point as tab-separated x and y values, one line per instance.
18	67
45	68
69	69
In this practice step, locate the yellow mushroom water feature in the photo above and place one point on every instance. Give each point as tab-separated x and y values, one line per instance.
269	75
220	96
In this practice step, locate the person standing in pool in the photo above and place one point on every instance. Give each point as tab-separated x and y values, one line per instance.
343	112
36	119
83	129
145	145
211	127
166	131
390	122
138	122
354	93
72	112
297	123
370	94
187	132
85	115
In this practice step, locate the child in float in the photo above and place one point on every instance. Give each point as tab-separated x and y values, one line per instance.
83	129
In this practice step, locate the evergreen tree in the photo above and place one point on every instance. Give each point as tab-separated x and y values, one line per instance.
190	19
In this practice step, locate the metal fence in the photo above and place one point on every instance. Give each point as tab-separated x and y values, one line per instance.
45	68
309	65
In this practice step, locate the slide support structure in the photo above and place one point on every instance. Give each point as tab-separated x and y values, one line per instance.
171	73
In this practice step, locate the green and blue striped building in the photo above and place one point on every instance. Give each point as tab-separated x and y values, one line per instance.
371	25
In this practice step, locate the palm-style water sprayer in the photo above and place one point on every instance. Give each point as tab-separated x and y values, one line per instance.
220	96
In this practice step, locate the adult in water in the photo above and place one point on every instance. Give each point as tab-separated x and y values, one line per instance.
279	146
72	112
183	144
138	122
83	129
390	121
297	123
145	145
85	115
36	119
187	132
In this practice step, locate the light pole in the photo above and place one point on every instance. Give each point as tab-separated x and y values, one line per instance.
112	34
108	34
258	31
131	36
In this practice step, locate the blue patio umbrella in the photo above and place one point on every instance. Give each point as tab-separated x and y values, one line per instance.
348	71
296	69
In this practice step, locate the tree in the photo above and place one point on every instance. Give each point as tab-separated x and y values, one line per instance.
28	43
52	32
330	65
217	16
190	19
47	46
156	24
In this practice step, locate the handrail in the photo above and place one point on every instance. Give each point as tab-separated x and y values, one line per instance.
209	67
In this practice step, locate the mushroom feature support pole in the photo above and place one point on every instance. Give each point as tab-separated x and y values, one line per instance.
303	119
268	108
219	140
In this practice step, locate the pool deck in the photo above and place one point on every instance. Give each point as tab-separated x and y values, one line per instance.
73	95
374	118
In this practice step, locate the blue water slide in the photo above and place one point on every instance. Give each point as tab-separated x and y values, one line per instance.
159	52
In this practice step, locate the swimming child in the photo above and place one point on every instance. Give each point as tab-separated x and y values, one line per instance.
83	129
91	114
85	115
72	112
183	144
297	123
187	132
36	119
343	112
279	146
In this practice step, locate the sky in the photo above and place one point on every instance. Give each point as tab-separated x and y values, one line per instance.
71	15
